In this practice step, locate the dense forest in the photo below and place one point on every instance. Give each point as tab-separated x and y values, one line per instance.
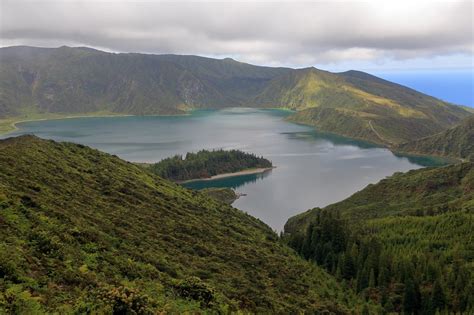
411	261
405	279
205	164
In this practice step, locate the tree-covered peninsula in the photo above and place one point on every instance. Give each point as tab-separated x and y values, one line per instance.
205	164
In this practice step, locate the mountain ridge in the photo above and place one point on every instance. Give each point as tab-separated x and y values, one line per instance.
49	81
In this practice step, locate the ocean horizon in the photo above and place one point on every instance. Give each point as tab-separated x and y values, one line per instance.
454	86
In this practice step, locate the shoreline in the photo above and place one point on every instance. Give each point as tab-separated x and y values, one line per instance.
12	122
226	175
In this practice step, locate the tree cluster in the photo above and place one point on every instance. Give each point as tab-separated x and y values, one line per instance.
205	164
409	281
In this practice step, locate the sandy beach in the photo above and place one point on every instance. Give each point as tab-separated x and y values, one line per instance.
244	172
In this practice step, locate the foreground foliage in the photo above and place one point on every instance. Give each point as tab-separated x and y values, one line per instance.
405	243
82	231
205	164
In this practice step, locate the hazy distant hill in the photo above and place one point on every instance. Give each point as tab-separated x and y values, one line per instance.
82	80
457	142
83	231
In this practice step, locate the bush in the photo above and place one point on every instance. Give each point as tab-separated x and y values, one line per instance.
195	289
123	300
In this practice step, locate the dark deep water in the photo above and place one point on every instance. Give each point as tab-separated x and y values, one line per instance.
312	169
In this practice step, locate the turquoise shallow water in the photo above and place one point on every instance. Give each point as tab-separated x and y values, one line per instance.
312	169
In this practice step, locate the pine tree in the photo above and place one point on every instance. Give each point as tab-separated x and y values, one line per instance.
365	310
372	279
409	297
438	298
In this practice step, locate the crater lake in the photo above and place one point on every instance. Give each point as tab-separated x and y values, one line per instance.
313	169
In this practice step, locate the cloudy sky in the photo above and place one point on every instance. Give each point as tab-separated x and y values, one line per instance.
333	35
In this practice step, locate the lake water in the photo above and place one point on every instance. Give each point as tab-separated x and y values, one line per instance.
312	169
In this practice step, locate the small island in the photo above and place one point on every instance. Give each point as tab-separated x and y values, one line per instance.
214	164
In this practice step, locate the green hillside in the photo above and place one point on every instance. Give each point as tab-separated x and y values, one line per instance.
405	242
358	105
456	142
40	82
83	231
84	80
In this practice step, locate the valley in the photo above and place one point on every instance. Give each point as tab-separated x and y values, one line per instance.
143	184
312	168
35	82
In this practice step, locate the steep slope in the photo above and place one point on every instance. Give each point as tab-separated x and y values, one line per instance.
84	231
415	192
81	80
358	105
456	142
405	242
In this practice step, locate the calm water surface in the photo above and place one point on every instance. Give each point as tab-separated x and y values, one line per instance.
312	169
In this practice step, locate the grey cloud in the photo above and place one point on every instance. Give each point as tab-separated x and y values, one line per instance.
296	33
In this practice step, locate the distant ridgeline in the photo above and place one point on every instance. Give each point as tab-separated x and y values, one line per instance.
205	164
405	243
49	82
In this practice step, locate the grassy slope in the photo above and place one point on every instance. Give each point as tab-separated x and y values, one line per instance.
456	142
417	191
78	80
422	219
359	105
76	222
226	195
414	211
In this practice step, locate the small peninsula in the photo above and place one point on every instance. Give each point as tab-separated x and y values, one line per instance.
213	164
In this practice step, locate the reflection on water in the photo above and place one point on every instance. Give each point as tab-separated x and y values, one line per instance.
313	169
231	182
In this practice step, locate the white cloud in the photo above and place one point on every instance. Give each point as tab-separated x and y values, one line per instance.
264	32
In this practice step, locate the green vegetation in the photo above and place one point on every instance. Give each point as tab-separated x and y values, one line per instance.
405	243
82	80
40	81
85	232
224	194
205	164
358	105
456	142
